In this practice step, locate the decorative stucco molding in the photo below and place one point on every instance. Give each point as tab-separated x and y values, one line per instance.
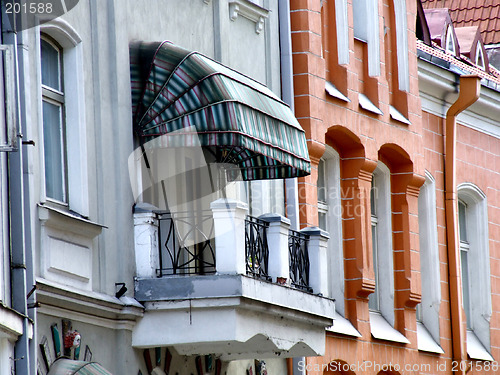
250	11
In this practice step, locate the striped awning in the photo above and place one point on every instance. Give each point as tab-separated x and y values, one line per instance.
240	120
65	366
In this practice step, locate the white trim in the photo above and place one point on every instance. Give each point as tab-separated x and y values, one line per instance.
429	257
342	24
402	44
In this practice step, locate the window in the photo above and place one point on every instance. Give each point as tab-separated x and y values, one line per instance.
381	302
366	29
62	123
428	310
475	269
480	56
322	196
402	44
330	220
464	261
53	120
450	40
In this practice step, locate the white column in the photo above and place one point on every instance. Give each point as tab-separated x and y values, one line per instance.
229	224
317	247
146	242
277	242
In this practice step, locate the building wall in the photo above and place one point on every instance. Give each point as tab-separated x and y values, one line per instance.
87	251
362	139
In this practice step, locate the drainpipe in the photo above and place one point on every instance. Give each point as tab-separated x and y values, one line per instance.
470	86
291	187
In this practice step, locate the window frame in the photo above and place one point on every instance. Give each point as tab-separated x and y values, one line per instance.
428	330
476	218
383	249
450	39
366	16
55	96
77	184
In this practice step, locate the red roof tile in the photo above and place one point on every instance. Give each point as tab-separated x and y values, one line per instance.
482	13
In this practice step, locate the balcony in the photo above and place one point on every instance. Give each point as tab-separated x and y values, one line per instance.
230	285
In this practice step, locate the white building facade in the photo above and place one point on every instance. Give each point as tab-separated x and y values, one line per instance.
112	278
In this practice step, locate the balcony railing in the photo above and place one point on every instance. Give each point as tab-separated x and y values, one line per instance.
256	248
228	242
186	244
299	260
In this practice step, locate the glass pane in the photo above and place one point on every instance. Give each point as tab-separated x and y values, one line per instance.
50	65
53	151
462	227
373	300
464	256
373	197
321	182
360	10
322	220
419	314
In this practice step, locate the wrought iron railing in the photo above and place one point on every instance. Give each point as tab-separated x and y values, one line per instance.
299	260
256	249
186	243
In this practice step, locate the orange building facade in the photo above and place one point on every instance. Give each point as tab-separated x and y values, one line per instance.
413	216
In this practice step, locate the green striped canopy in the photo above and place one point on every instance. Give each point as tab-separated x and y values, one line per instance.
65	366
238	119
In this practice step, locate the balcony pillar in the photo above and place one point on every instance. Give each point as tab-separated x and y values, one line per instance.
318	271
146	242
229	224
277	242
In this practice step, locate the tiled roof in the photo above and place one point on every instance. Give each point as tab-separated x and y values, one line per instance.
482	13
458	65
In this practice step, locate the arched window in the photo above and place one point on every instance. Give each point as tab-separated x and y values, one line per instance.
381	302
63	124
475	268
54	129
428	310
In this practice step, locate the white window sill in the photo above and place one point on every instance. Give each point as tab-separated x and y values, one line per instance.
59	216
426	342
367	105
382	330
335	92
475	349
398	116
343	326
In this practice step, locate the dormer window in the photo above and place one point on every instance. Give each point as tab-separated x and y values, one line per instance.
450	40
480	56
